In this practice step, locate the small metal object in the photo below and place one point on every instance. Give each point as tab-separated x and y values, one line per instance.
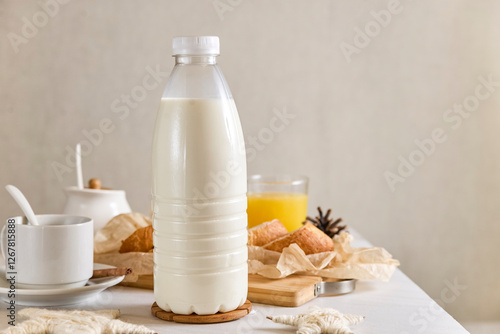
339	287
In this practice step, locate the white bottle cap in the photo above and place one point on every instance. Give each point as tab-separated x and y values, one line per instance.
196	45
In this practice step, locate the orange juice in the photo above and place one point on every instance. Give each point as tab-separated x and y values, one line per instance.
289	208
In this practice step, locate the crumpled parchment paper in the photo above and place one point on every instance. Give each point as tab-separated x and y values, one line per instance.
108	240
342	263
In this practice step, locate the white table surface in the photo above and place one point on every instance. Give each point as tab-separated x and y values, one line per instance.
398	306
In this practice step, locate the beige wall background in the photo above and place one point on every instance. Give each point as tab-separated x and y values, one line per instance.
352	120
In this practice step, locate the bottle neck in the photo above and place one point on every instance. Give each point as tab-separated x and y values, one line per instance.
198	59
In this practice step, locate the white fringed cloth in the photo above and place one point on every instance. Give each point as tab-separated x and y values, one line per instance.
42	321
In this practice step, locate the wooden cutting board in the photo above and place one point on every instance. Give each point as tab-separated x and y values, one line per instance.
289	291
143	282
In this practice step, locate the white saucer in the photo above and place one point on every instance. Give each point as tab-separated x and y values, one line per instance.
57	297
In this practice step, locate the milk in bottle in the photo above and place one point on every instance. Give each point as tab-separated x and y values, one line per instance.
199	187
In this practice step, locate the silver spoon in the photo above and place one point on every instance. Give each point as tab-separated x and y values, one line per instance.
23	204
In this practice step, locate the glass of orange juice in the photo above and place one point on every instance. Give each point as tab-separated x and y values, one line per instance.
282	197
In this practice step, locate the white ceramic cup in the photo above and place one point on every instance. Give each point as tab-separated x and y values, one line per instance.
58	253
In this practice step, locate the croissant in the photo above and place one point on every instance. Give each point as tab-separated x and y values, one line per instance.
139	241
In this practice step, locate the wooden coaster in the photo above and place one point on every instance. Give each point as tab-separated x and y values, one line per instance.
240	312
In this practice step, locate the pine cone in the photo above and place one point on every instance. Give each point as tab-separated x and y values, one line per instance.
325	224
